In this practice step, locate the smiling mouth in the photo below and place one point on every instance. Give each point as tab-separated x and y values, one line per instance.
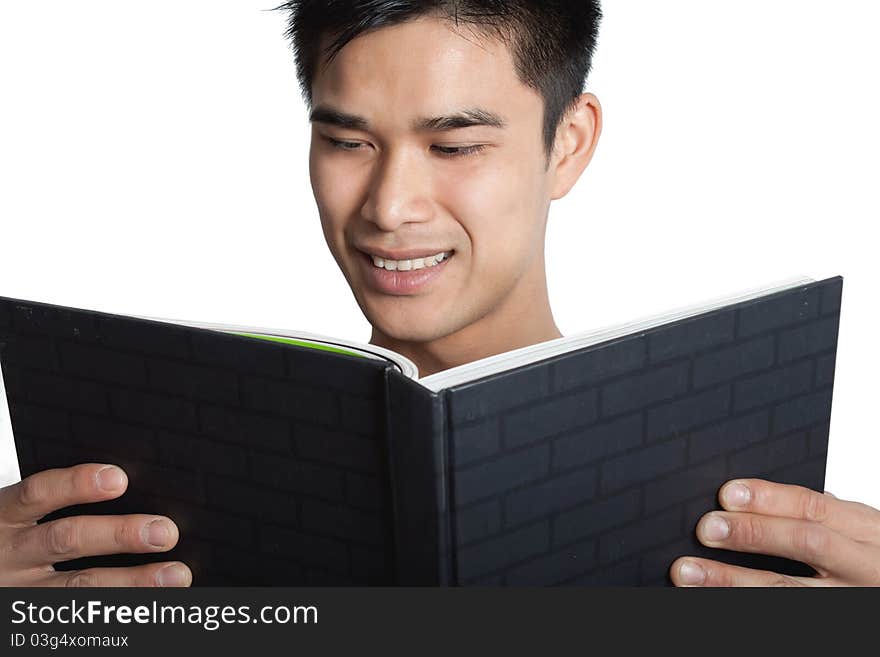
410	264
405	277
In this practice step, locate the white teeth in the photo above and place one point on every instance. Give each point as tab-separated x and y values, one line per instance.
408	265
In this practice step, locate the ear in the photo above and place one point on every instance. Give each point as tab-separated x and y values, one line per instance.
576	139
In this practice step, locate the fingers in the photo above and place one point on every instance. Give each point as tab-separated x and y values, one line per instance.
852	519
81	536
167	573
692	571
812	543
38	495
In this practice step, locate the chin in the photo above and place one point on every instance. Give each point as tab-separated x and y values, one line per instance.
422	329
403	333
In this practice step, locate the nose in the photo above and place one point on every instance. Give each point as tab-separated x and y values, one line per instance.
399	191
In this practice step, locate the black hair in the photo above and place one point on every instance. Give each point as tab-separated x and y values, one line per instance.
551	41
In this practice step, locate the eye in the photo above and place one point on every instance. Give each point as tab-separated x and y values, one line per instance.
344	145
459	151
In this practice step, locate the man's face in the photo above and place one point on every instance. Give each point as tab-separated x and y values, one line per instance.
398	173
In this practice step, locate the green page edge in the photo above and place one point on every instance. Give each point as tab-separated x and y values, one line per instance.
301	343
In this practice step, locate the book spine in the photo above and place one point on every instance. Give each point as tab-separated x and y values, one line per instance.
418	465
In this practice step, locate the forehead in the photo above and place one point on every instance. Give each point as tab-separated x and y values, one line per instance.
424	67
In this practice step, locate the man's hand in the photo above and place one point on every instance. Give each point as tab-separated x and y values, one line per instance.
839	539
28	551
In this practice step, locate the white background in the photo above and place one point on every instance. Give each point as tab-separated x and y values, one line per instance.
153	161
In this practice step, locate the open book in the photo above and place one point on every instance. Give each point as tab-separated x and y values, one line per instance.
296	459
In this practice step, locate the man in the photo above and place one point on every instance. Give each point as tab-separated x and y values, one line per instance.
441	132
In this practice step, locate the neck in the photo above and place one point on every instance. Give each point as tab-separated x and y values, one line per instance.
524	318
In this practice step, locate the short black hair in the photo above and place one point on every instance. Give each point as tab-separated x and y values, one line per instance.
551	41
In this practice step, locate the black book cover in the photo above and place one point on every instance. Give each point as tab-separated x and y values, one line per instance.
284	465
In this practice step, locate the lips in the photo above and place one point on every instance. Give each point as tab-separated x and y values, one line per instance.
402	283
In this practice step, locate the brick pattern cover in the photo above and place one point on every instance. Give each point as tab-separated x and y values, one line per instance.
594	467
270	457
289	466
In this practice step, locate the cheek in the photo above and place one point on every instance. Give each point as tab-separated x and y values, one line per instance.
336	196
499	208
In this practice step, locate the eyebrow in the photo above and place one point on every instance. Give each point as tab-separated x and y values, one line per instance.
462	119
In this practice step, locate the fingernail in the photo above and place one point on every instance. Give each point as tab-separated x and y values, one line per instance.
737	495
155	533
173	575
110	478
716	528
691	573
